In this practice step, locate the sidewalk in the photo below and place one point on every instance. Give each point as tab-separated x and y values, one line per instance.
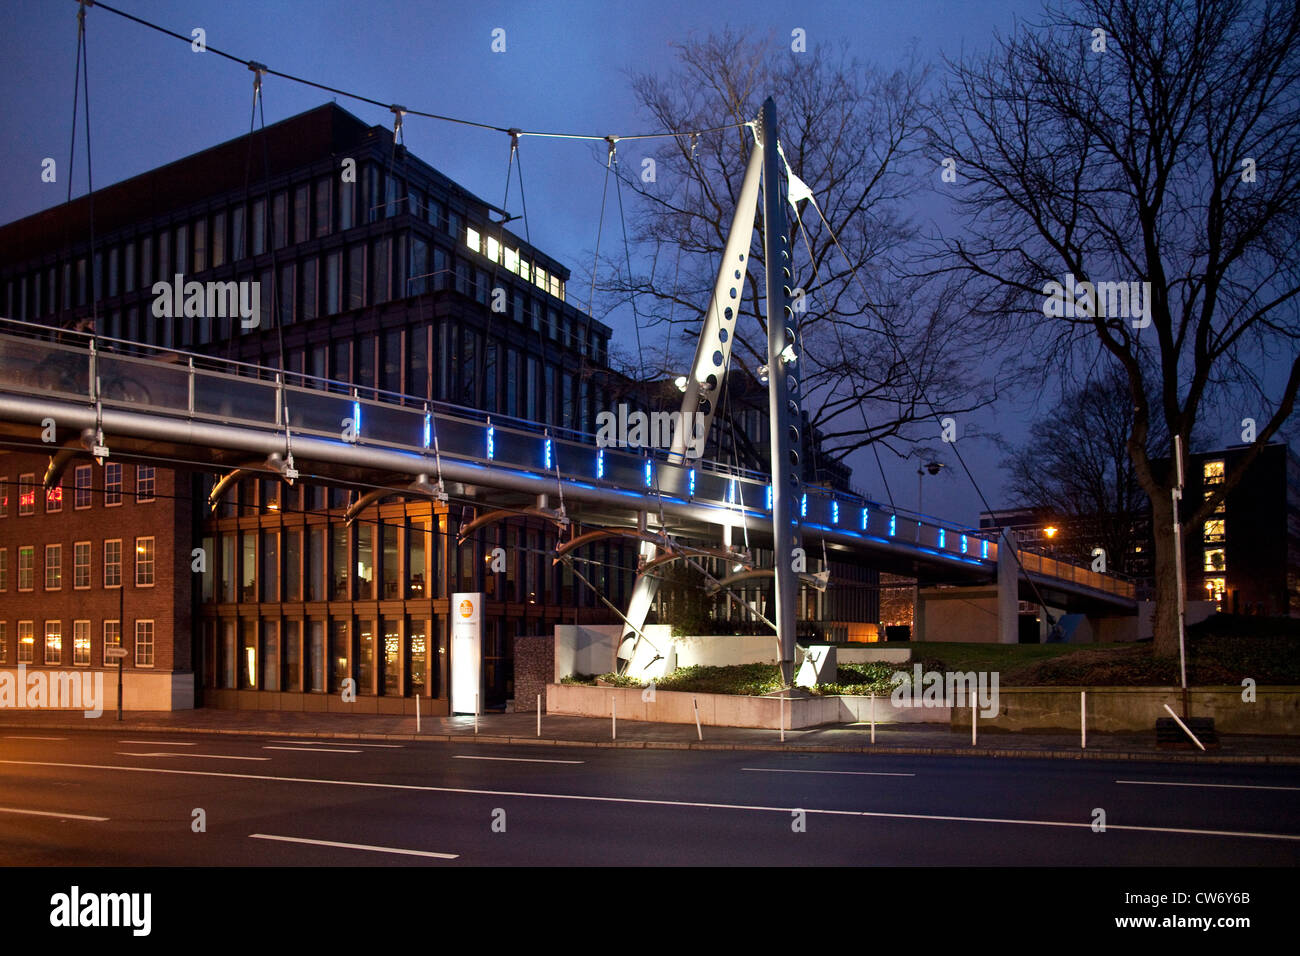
595	732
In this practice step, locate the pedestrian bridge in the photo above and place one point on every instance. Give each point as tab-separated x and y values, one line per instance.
172	407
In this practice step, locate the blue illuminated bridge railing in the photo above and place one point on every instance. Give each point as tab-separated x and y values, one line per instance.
38	361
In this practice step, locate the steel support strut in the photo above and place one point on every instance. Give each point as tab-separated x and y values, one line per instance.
782	396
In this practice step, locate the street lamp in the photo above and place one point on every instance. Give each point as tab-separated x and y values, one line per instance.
933	467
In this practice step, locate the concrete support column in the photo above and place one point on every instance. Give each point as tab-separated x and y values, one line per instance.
1008	590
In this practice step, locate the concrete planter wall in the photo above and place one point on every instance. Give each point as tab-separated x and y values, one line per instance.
1276	710
728	710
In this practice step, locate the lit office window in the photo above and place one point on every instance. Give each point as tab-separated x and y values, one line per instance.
26	495
54	499
1213	472
1215	559
54	642
26	642
81	643
144	562
1214	531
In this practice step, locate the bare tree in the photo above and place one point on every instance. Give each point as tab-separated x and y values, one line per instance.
879	355
1076	462
1140	141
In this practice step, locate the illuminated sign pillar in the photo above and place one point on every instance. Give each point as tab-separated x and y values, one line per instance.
466	652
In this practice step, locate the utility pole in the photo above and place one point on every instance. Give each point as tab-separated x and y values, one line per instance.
1177	495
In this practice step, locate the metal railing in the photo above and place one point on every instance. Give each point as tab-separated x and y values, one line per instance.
116	374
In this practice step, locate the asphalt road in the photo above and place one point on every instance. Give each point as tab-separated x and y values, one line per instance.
70	798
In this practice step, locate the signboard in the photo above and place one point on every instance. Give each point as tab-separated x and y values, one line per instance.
114	653
466	652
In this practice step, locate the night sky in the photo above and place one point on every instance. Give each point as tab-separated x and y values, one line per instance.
566	65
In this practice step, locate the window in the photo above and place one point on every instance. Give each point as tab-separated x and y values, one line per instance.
144	643
356	294
26	494
112	637
4	497
113	563
1215	559
4	569
1215	588
218	239
112	484
54	499
323	206
81	487
53	567
54	642
26	642
1214	531
301	212
144	483
201	245
81	643
280	219
81	565
4	642
26	566
144	562
259	226
1213	473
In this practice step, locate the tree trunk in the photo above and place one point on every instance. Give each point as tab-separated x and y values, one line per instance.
1166	576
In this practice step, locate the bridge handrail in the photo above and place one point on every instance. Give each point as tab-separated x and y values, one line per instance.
826	506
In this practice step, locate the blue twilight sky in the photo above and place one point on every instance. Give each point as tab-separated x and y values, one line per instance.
565	68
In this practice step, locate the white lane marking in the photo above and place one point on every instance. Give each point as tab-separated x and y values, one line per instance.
516	759
207	756
1219	786
852	773
159	743
355	846
349	743
21	737
316	750
467	791
51	813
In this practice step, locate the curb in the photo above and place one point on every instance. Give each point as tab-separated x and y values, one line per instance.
499	739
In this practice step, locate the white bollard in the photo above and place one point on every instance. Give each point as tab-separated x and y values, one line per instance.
1083	720
781	706
698	733
613	718
476	714
873	718
974	720
417	713
539	715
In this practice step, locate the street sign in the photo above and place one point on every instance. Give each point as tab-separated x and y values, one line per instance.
114	653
